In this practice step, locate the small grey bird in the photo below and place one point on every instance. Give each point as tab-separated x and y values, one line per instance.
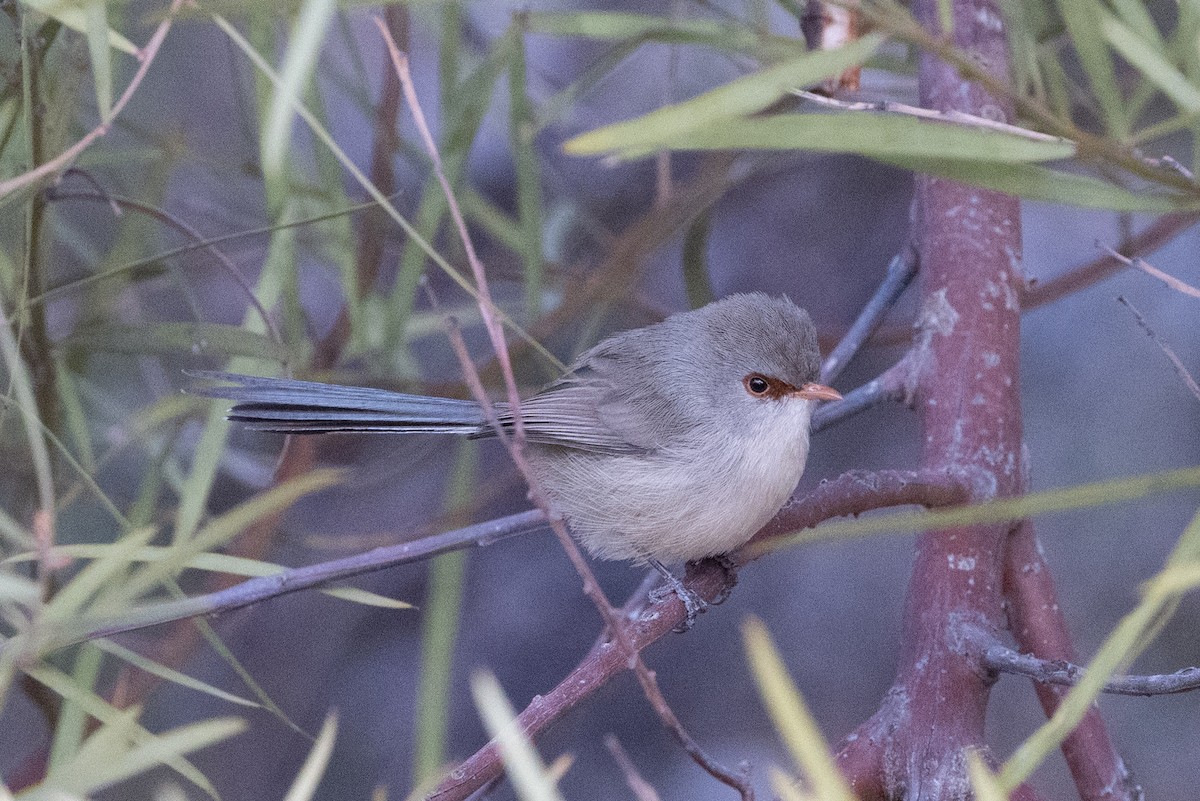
667	443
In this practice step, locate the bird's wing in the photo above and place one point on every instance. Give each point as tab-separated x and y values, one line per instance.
567	413
610	401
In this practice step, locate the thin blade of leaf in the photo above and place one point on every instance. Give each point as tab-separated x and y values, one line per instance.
791	717
366	598
1035	182
304	47
743	96
96	21
169	674
222	529
74	16
104	712
305	785
197	339
874	135
521	759
1100	493
1118	650
1151	62
1082	18
630	27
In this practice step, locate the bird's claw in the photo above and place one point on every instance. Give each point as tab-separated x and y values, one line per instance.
693	604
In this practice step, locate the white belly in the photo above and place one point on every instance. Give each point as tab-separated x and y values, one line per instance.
684	504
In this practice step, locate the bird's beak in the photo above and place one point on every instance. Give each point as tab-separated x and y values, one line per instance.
817	392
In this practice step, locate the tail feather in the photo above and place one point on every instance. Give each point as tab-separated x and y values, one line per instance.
305	407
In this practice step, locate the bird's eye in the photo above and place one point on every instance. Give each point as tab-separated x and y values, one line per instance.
756	384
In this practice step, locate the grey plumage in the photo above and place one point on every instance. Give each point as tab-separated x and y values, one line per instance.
651	445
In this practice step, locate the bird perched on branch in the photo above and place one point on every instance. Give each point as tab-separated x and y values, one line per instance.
668	443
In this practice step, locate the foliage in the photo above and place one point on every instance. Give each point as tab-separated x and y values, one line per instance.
1107	98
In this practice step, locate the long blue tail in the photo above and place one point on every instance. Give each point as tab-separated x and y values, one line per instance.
305	407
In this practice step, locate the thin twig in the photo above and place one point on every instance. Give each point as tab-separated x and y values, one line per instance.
146	56
950	116
900	272
256	590
118	202
1153	237
642	790
891	385
851	493
1178	364
1056	671
1149	269
515	446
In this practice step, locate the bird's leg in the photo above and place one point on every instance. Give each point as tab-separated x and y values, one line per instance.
692	603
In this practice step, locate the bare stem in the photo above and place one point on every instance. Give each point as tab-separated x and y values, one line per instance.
1067	674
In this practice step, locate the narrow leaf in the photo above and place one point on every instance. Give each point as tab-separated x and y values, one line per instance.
792	719
196	339
521	759
1118	650
874	135
170	674
304	46
74	16
96	21
1100	493
1082	18
1152	63
743	96
1035	182
304	787
366	598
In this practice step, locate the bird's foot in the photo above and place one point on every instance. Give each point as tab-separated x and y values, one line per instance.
693	604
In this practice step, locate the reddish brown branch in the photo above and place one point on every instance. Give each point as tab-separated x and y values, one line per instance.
1157	234
967	394
1040	628
851	493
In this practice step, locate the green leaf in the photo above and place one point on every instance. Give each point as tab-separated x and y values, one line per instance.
521	760
215	562
74	16
221	529
304	787
89	767
106	757
1137	17
747	95
695	262
1151	62
1035	182
791	717
304	47
197	339
94	578
96	20
624	27
19	590
1082	18
874	135
366	598
986	784
170	674
1117	652
1100	493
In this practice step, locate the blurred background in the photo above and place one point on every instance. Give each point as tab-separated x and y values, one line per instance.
606	242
